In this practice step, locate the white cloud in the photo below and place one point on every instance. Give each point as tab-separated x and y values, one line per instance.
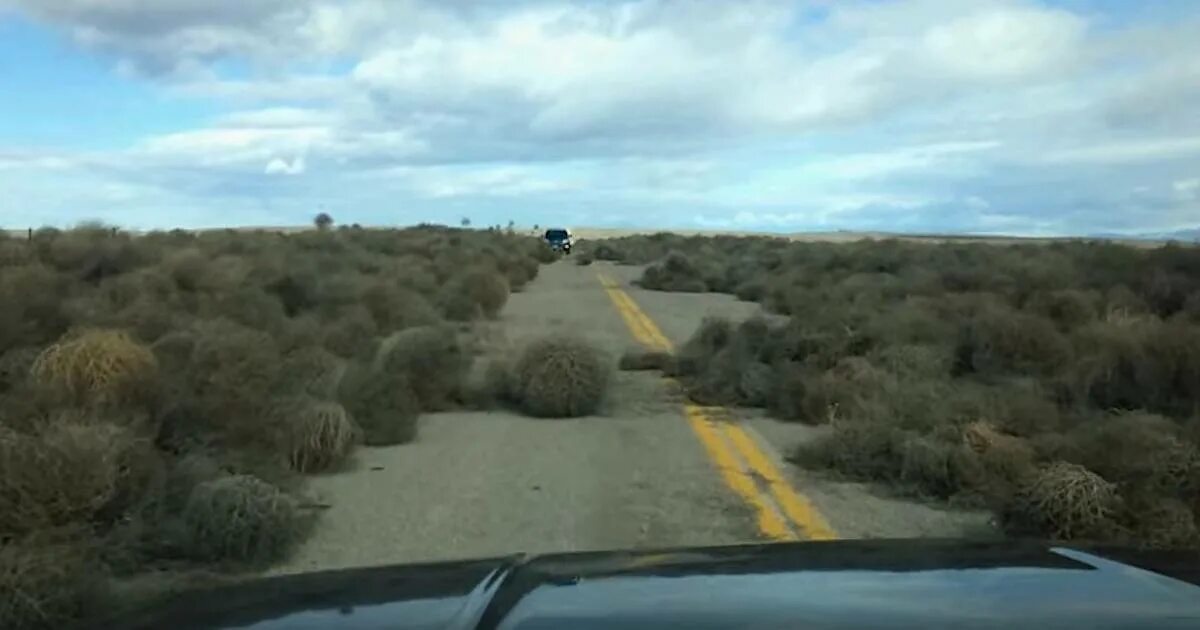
970	113
279	166
1140	150
1005	43
893	161
1187	188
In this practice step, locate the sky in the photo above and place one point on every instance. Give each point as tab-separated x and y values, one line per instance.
981	116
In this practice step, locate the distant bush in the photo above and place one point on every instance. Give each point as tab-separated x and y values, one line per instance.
676	273
998	341
560	377
240	519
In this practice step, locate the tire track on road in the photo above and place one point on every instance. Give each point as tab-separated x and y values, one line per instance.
782	512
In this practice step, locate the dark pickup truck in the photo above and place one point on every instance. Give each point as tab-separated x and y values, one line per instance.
559	240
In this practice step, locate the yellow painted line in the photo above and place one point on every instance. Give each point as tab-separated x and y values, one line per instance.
797	507
770	522
734	464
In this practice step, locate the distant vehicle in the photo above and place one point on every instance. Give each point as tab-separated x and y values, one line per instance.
840	584
559	239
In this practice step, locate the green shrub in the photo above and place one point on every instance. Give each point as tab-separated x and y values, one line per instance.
31	306
318	435
431	359
396	308
232	371
383	405
1004	341
15	366
604	251
1140	453
48	584
353	332
240	519
560	376
70	472
484	287
857	449
458	306
311	371
1069	308
676	272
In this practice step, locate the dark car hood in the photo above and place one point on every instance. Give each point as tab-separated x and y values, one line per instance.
842	584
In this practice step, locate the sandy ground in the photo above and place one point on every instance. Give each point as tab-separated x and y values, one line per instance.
483	484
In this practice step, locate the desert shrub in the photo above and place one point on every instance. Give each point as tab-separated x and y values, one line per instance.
999	341
431	359
1069	308
231	374
458	306
15	366
584	259
241	519
1163	522
352	333
915	360
676	272
91	253
604	251
98	367
857	449
311	371
994	464
644	360
484	287
1142	364
70	472
318	435
31	305
518	271
819	397
47	584
488	383
1066	502
396	308
1141	453
931	467
560	376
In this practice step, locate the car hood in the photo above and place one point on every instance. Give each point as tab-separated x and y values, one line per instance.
840	584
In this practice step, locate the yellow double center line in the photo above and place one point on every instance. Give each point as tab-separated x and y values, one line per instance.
782	512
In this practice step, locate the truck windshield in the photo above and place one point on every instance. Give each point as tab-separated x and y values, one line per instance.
556	235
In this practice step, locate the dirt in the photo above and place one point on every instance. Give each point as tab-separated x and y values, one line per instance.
479	484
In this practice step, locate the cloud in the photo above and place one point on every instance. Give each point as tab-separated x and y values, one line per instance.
1140	150
278	166
980	114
